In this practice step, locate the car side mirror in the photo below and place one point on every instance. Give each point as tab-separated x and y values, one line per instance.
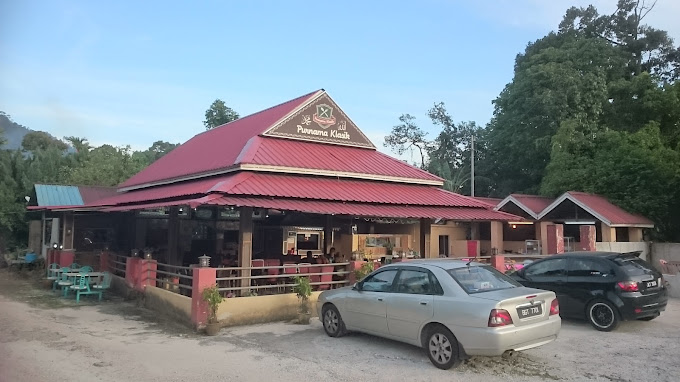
357	286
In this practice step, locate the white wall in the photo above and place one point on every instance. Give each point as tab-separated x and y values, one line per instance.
622	246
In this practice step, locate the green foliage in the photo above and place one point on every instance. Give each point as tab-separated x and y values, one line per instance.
363	271
406	136
218	114
212	296
40	140
303	290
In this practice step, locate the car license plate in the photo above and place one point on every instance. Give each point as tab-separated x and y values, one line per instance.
651	284
530	311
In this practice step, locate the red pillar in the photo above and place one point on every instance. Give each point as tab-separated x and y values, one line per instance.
202	278
104	261
587	241
132	271
498	262
147	272
66	258
53	256
555	239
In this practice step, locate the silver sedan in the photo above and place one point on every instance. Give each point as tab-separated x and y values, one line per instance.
453	309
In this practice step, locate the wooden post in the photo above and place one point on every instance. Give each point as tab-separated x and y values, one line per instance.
425	230
328	234
245	244
67	238
174	257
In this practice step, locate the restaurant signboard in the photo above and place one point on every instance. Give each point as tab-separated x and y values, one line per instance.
321	121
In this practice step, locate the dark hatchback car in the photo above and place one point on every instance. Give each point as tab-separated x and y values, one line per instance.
603	287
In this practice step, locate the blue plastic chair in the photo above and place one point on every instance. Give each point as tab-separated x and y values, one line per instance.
82	286
85	268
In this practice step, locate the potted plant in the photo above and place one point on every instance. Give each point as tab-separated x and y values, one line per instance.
212	296
303	290
362	272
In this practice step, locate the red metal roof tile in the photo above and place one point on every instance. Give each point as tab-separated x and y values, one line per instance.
615	214
214	149
492	202
364	209
316	156
533	202
340	189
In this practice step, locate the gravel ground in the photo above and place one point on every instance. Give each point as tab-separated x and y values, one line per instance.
43	337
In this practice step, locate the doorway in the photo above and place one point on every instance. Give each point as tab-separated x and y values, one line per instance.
443	245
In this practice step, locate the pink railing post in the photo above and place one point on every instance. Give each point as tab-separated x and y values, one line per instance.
132	271
203	277
147	274
498	262
587	241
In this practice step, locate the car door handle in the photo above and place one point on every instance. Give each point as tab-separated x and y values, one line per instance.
379	298
423	303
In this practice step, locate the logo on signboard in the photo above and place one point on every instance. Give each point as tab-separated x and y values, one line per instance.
324	116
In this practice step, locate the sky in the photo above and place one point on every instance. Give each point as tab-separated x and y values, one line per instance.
134	72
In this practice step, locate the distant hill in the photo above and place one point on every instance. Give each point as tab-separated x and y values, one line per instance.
12	132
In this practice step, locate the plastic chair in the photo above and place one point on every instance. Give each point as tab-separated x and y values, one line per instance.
51	274
86	268
315	278
326	278
74	266
273	271
64	282
82	286
104	285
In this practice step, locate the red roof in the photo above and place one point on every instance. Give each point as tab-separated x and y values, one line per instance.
491	202
214	149
91	194
533	202
307	155
608	212
297	186
341	208
239	143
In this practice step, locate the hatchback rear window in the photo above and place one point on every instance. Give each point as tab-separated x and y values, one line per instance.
634	266
475	279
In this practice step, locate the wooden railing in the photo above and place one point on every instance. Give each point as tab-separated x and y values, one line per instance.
279	278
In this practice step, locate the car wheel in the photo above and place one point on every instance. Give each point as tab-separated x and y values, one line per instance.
602	315
442	348
332	322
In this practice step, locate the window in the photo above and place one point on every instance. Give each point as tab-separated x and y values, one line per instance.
414	282
308	242
475	279
634	266
379	282
547	268
588	268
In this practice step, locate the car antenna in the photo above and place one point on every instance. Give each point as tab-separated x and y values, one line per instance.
468	263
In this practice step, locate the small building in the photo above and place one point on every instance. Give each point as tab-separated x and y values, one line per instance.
615	228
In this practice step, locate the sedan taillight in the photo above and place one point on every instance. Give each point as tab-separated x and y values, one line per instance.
499	317
554	307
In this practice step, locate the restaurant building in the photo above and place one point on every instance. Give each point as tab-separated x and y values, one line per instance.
297	177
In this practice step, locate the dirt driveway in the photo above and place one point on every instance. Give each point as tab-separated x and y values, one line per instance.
43	338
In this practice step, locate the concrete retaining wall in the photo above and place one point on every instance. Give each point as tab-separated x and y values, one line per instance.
120	287
625	247
168	303
665	251
260	309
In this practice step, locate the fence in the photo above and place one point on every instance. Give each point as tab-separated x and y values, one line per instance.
174	278
276	279
117	264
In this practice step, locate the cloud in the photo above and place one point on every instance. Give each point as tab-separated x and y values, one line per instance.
547	14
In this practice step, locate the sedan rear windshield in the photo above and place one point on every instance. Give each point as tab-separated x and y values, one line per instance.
476	279
634	266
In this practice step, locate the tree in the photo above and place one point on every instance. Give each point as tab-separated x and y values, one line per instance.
557	78
406	136
218	114
647	49
40	140
81	145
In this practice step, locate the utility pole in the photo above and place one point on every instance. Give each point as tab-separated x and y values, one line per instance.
472	167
